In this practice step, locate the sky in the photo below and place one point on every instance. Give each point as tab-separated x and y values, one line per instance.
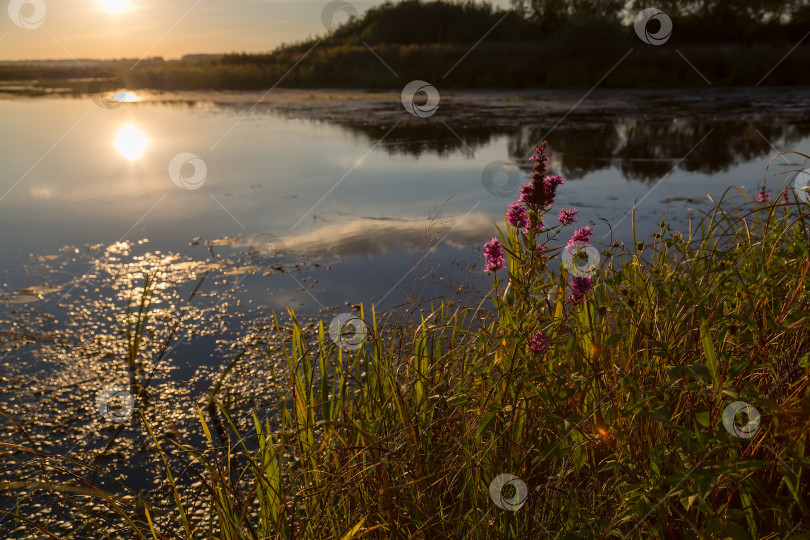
110	29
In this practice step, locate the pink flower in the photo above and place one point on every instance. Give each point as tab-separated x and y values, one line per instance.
493	251
539	343
582	235
580	288
516	215
764	196
567	217
553	182
539	253
540	192
526	193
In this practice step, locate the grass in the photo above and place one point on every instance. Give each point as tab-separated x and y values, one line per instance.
616	429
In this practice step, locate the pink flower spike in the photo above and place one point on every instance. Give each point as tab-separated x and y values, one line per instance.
516	215
582	235
567	217
539	343
494	254
580	287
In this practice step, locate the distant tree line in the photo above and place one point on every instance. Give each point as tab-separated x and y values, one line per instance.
573	39
586	24
697	21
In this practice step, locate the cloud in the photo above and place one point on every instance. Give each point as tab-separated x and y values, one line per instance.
373	236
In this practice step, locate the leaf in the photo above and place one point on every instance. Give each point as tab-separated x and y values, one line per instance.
731	394
703	418
661	415
694	370
151	525
642	507
573	430
557	451
708	348
688	501
706	484
204	425
791	480
748	507
484	424
656	460
353	531
579	457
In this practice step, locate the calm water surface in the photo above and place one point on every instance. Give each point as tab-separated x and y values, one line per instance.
350	181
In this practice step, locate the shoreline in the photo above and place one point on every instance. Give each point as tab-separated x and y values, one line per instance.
502	107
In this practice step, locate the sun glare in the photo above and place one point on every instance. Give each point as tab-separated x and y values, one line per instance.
131	143
116	6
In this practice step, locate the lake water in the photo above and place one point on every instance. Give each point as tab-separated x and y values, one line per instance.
349	180
313	200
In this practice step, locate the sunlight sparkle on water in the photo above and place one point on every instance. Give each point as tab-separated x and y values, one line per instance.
131	143
116	6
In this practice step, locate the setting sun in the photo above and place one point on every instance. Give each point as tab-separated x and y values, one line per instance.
116	6
131	143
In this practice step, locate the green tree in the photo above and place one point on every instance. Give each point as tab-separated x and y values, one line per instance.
552	14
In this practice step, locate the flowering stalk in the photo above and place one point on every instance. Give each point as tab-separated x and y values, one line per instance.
764	196
580	287
521	312
493	251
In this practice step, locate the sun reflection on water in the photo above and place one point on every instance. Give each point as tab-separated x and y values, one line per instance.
131	142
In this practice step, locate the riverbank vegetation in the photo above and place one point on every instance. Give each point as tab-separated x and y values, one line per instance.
656	389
